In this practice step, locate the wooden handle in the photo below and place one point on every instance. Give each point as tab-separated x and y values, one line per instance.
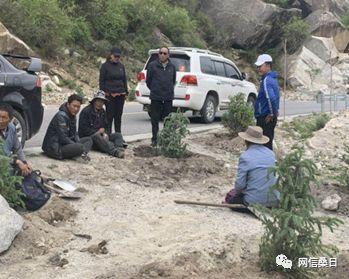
211	204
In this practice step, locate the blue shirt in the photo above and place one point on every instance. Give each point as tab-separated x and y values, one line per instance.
11	144
253	179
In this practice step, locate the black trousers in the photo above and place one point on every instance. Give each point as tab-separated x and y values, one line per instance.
73	150
268	129
109	147
115	108
159	110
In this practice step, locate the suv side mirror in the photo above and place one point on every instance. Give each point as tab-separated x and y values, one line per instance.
243	76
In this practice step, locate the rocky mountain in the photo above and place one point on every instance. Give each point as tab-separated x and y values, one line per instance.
257	25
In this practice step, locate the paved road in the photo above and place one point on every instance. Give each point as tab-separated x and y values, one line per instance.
136	121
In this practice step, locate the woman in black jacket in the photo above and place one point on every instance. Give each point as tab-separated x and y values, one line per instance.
113	81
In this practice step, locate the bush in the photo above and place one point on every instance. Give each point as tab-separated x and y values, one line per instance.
238	116
292	229
81	32
8	182
295	31
345	20
171	136
305	127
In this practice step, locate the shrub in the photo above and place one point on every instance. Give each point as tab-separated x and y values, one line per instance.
171	136
345	20
238	116
292	229
305	127
295	31
8	182
80	33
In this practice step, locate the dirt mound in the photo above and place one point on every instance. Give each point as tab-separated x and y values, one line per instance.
222	141
56	211
171	172
145	151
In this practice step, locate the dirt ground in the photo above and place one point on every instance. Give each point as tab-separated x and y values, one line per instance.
128	226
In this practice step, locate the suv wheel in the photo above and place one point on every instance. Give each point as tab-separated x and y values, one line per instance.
251	100
208	111
21	128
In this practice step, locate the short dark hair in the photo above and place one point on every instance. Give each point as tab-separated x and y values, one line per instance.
168	50
7	108
74	97
270	64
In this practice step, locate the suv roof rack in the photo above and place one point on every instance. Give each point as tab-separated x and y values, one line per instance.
196	50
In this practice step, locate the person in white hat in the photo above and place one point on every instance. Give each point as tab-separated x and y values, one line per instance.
267	103
93	123
253	180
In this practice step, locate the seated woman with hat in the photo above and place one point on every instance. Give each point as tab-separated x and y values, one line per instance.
93	123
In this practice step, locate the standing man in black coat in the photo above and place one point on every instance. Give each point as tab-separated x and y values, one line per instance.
161	80
61	140
113	81
93	123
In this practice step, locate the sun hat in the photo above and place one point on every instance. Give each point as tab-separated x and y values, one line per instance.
254	134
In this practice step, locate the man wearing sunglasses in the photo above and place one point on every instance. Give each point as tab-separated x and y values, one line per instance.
161	80
267	103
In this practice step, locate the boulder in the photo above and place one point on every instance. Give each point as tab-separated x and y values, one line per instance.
11	44
338	7
326	24
11	224
55	79
331	202
307	72
324	48
160	38
246	24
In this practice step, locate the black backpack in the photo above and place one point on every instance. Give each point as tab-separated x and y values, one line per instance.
35	195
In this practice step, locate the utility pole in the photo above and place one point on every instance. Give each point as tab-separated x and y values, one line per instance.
285	76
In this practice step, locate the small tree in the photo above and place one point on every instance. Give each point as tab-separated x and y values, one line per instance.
171	136
8	182
292	229
238	116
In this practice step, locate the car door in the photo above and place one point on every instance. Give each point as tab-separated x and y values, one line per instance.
235	80
223	82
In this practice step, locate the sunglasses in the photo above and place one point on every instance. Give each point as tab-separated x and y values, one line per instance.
163	53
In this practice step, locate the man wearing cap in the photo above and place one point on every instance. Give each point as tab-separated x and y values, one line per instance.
253	180
113	81
267	103
161	80
93	123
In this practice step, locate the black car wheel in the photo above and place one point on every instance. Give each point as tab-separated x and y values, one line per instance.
20	125
251	100
208	111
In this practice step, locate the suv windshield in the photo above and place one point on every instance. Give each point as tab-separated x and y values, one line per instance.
181	61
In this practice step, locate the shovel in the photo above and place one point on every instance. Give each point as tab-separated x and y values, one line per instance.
227	205
52	185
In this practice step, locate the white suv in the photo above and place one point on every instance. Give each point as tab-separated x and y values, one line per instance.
205	81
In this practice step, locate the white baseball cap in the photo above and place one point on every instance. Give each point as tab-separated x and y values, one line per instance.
262	59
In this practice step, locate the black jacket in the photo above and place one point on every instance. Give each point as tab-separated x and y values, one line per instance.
161	80
112	78
90	121
60	132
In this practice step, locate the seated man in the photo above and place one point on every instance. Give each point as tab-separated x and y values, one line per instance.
253	180
61	140
93	123
11	144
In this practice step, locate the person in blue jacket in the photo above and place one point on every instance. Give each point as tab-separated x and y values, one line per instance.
267	103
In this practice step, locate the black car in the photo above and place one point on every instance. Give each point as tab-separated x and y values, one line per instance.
20	87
